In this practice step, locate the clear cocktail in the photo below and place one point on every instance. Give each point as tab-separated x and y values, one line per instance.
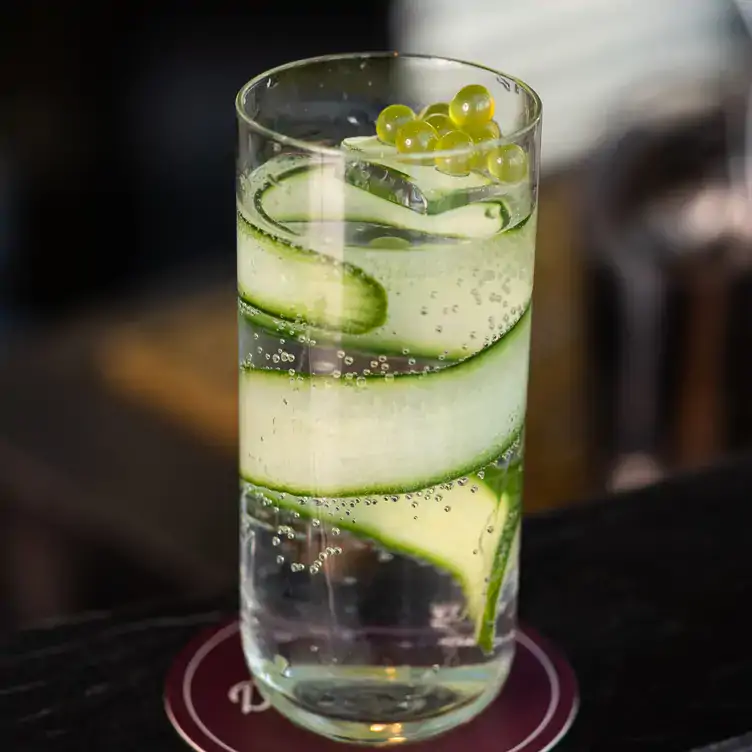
385	273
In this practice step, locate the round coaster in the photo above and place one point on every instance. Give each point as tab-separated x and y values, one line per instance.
212	702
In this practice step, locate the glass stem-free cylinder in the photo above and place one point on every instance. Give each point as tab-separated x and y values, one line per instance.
386	216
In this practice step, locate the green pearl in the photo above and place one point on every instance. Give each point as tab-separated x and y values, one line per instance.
390	120
472	105
508	163
455	164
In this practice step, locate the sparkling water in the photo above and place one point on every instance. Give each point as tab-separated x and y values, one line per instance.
382	617
344	634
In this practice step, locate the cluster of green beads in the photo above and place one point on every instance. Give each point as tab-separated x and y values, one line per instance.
463	125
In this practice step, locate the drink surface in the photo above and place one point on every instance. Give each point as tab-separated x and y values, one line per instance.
384	320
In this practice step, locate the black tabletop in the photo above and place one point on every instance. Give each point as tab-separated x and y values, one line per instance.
649	594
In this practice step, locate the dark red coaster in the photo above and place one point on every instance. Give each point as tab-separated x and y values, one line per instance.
212	702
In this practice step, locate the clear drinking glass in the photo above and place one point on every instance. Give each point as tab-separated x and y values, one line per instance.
384	325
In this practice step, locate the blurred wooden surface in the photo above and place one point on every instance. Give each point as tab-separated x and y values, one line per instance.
102	500
180	361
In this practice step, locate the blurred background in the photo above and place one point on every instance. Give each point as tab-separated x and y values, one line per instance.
117	328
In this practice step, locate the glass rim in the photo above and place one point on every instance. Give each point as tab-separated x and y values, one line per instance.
334	151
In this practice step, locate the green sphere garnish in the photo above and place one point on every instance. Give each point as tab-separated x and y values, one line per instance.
483	136
507	163
489	131
456	164
472	105
437	108
390	120
416	137
442	123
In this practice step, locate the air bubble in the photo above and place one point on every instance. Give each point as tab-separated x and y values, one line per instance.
280	559
336	373
382	358
475	552
489	529
255	335
335	531
315	523
276	541
481	474
389	376
447	508
275	358
348	361
439	329
424	311
473	489
340	354
405	350
411	361
290	371
360	381
374	364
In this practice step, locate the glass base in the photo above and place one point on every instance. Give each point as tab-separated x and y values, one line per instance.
216	706
378	701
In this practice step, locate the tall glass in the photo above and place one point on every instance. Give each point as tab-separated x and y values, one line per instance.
384	325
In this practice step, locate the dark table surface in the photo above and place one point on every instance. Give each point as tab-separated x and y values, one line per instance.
649	594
